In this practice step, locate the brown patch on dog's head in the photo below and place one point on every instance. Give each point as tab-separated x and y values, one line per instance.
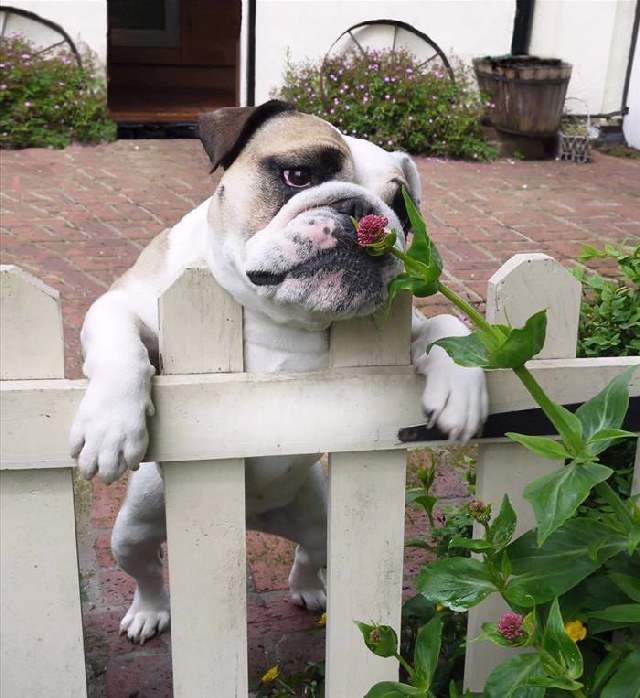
225	132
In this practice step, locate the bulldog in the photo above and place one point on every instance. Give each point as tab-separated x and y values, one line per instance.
277	235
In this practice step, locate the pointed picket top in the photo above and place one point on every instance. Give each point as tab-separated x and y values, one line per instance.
528	283
31	334
200	325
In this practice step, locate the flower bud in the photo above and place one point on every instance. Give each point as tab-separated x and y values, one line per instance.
510	626
370	229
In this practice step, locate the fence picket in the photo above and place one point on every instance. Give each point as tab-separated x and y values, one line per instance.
366	520
41	641
205	504
522	286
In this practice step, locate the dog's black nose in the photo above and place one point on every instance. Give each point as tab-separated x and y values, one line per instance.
353	207
260	277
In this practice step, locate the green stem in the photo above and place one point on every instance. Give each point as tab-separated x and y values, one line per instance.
469	311
286	686
549	407
579	693
408	668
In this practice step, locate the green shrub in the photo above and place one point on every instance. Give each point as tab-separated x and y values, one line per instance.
610	311
47	100
394	101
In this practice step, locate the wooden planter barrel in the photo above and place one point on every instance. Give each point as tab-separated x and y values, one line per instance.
528	92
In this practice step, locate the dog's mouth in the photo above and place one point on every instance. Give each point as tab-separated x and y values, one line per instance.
266	278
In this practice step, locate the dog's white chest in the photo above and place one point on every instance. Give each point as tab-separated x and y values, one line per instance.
271	347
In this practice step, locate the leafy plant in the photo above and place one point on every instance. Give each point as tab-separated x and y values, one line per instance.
308	683
610	310
394	100
48	100
587	533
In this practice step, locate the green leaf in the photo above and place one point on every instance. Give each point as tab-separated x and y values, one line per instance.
509	679
521	344
547	448
417	543
607	409
503	526
427	502
465	351
606	668
560	646
395	689
477	544
380	639
621	613
625	683
555	497
403	282
542	573
611	434
628	584
457	582
427	651
558	682
422	248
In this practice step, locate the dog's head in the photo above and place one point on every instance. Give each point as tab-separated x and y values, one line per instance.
282	234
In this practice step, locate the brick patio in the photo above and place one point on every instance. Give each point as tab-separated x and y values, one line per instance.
78	218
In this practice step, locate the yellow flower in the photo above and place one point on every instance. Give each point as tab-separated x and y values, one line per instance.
440	607
576	630
323	619
271	675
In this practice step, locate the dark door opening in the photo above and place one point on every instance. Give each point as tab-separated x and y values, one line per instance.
169	60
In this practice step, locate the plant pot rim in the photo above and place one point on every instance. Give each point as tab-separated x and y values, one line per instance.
515	61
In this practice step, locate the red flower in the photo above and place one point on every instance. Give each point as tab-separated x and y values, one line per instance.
371	229
510	626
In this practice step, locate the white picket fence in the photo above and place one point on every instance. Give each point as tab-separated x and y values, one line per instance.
210	416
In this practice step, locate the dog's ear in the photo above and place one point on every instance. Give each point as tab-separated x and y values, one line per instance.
411	175
225	132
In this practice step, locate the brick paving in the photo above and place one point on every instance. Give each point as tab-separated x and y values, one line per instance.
78	218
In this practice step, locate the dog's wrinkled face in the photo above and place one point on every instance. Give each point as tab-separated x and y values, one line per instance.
282	214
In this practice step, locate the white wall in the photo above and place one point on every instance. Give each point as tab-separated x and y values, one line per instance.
306	28
631	125
84	20
592	35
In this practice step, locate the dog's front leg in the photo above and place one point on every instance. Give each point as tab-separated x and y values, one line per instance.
109	433
455	397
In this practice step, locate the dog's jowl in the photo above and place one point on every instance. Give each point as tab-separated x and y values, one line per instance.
277	235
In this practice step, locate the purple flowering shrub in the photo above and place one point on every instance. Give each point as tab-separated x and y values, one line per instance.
390	99
47	100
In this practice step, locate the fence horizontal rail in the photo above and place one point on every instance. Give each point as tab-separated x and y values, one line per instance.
233	405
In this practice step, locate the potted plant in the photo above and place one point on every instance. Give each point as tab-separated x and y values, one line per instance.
528	92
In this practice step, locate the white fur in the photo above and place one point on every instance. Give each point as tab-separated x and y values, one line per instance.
285	495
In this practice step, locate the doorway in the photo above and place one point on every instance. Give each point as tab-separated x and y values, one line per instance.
169	60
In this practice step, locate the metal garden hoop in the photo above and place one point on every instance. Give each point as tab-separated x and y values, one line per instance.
37	19
397	26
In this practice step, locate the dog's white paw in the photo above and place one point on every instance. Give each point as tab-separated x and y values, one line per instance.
307	585
146	618
109	433
455	397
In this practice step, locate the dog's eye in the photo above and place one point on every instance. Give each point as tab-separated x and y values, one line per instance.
297	178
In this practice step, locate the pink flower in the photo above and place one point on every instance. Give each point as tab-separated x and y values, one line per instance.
371	229
510	626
